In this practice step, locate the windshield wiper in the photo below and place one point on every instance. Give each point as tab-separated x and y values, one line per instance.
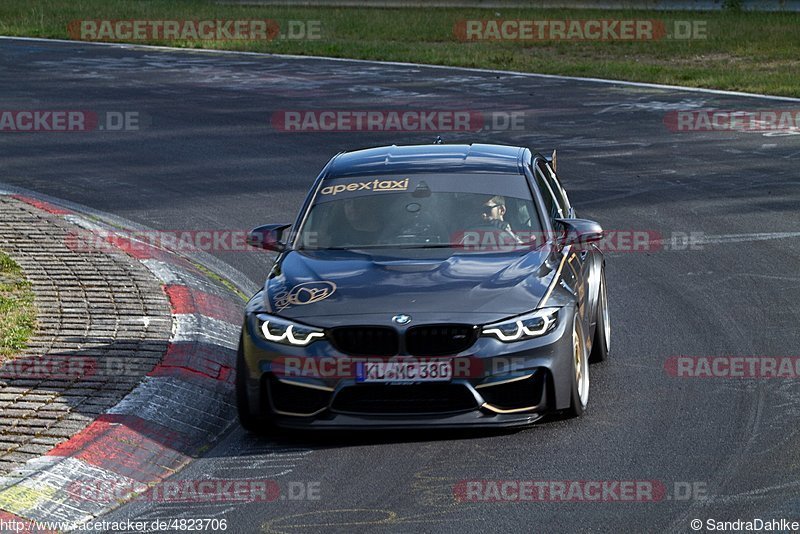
391	245
515	246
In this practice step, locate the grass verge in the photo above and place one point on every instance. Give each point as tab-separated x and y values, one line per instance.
744	51
17	311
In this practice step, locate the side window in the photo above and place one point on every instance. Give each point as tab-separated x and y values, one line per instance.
561	190
550	203
555	188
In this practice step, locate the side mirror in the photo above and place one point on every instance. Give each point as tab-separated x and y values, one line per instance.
579	231
269	237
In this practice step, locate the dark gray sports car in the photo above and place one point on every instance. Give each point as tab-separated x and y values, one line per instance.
432	285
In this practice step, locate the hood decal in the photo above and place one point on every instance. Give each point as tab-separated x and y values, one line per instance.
302	294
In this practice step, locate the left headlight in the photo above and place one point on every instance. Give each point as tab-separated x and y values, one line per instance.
280	330
528	326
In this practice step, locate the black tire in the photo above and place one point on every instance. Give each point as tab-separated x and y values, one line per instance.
250	422
580	372
602	332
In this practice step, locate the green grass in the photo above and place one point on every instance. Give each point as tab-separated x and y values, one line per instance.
743	51
17	312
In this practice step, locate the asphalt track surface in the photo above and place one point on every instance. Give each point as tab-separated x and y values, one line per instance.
209	159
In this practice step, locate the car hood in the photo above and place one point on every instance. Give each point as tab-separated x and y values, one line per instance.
336	283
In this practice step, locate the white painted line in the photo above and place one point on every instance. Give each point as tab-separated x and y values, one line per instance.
189	327
742	238
610	155
86	224
167	273
417	65
179	406
54	492
700	239
170	274
30	467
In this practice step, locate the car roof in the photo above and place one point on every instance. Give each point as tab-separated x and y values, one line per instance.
438	158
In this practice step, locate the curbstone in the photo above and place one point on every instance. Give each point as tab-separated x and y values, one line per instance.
183	395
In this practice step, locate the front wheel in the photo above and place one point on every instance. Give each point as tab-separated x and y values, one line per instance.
250	422
580	371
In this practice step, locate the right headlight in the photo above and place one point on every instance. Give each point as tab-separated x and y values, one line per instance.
279	330
528	326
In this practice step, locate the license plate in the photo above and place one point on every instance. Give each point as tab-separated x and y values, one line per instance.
404	372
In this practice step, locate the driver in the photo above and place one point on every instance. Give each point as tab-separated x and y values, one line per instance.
493	213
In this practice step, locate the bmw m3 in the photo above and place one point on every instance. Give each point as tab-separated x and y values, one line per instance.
430	285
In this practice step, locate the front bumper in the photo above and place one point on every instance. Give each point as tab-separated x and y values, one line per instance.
506	385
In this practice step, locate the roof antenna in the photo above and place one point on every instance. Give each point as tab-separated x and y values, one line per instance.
438	140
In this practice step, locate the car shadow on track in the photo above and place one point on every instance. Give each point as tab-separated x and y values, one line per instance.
334	439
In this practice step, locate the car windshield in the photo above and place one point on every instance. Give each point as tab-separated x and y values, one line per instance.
473	212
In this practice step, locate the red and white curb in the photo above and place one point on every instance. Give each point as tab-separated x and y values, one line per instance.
180	408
